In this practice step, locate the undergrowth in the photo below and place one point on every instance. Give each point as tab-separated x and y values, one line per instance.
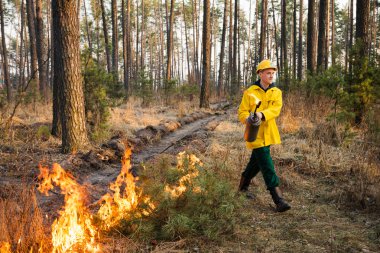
190	202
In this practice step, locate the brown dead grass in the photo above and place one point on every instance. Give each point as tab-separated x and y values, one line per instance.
21	221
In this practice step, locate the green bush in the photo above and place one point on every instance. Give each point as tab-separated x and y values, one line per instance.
205	208
143	88
100	92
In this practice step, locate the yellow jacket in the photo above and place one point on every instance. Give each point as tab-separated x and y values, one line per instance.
271	103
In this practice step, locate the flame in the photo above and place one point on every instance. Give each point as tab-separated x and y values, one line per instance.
118	205
186	179
5	247
73	230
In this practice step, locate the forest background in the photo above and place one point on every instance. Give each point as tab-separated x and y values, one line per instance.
70	68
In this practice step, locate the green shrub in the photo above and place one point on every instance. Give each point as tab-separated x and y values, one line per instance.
101	92
43	133
205	207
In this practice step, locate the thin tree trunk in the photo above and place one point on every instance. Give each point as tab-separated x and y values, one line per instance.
300	49
21	61
106	41
327	43
7	81
186	40
294	38
275	34
126	10
332	32
115	40
322	35
32	43
284	46
264	17
205	92
223	43
235	81
170	42
230	48
87	29
311	38
41	51
351	39
142	61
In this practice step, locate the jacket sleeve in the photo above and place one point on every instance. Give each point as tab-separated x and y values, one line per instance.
274	106
244	109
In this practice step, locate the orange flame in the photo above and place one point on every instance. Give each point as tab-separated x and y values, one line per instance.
120	203
183	181
73	230
5	247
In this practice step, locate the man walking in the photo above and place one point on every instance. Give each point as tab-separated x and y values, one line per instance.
268	110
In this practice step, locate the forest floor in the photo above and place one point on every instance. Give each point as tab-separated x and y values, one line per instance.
333	189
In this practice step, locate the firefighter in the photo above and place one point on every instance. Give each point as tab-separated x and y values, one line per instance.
268	110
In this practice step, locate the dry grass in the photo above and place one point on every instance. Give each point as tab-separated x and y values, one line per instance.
21	221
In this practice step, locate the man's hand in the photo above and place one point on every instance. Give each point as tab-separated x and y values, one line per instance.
260	115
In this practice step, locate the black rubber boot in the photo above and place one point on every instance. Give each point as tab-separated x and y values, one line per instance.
281	204
243	187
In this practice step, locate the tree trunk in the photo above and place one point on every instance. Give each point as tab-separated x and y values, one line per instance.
294	38
22	42
362	27
68	74
351	40
284	46
7	81
115	40
142	63
106	41
41	51
322	36
311	38
327	42
275	35
89	40
223	43
205	92
332	32
126	12
32	43
300	49
264	18
170	42
186	41
230	48
235	81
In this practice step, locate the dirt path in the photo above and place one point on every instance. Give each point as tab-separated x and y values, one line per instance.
98	181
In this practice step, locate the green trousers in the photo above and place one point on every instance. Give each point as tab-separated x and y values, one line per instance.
262	161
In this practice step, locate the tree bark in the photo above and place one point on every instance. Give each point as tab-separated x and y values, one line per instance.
264	18
332	32
105	33
170	42
115	41
311	38
142	63
294	39
41	51
7	81
275	34
235	81
362	27
32	43
205	93
68	74
284	45
223	43
322	36
300	49
126	12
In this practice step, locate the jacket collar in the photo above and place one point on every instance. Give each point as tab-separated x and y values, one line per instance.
257	83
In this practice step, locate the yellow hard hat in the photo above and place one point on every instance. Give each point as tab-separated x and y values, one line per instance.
265	64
